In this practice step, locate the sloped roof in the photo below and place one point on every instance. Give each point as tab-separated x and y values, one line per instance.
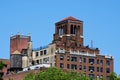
70	18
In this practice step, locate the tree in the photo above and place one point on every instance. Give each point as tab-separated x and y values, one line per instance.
113	76
55	74
30	76
1	67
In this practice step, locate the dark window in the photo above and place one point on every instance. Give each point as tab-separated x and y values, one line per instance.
41	53
101	62
68	58
71	29
101	69
97	61
45	52
73	66
91	61
61	57
107	70
107	62
80	67
60	31
68	66
61	65
74	30
65	29
74	59
97	69
37	61
91	68
84	59
37	54
84	68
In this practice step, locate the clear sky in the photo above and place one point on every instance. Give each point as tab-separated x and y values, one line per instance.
37	17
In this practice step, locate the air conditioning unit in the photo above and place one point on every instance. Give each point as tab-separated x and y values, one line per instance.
91	62
91	70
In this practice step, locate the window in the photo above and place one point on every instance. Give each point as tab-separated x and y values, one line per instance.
80	67
71	29
73	66
101	62
74	30
107	62
84	59
84	68
68	66
40	61
74	59
61	57
46	60
80	59
60	31
37	54
97	69
45	52
37	61
107	70
41	53
97	61
61	65
91	61
91	69
68	58
101	69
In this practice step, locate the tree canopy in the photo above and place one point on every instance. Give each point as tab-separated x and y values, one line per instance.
1	65
55	74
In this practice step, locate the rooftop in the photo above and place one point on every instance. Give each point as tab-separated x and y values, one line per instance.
70	18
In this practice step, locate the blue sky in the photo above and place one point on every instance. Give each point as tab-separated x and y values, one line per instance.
37	17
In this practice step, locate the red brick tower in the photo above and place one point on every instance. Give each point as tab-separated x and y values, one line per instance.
69	33
19	42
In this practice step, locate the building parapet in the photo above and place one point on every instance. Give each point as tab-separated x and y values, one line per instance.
21	36
35	67
82	54
40	48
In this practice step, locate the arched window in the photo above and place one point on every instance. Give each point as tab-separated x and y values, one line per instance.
74	30
60	31
71	29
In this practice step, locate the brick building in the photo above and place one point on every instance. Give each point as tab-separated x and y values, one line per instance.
69	52
20	52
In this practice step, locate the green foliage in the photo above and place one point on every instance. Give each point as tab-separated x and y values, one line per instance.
0	77
1	65
55	74
113	76
58	74
30	76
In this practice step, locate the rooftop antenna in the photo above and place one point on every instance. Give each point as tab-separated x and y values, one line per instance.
29	34
11	34
92	44
17	33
